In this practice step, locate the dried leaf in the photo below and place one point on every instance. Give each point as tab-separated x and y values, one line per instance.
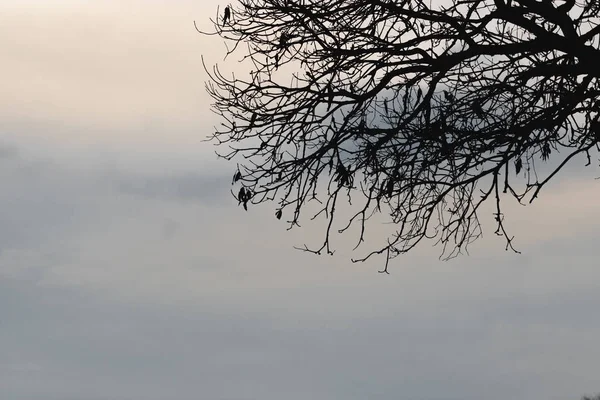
546	151
241	195
390	187
237	176
518	165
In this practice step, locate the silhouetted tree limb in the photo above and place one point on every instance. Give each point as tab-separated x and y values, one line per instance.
422	112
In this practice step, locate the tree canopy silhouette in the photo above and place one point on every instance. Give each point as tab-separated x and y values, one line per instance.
417	110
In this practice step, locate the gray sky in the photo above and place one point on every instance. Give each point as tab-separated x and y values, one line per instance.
127	271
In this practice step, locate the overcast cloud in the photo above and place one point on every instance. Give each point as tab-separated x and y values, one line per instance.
127	271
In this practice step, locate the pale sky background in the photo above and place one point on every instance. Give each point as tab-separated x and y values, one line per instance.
127	271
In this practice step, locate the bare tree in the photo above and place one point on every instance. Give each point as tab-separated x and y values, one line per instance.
420	110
